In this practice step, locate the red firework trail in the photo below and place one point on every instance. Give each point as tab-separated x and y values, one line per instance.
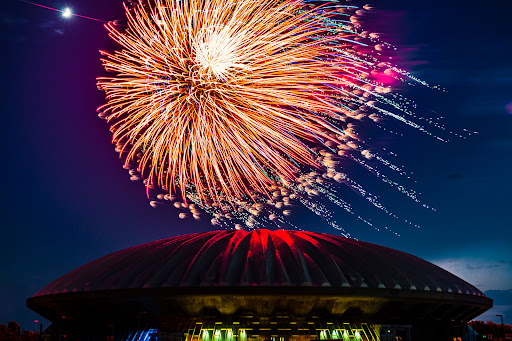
61	11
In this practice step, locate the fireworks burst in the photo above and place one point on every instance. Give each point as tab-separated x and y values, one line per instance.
240	108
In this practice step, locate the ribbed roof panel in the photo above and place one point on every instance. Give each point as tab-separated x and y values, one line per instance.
259	258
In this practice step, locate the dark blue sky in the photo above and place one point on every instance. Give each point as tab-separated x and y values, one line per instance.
66	199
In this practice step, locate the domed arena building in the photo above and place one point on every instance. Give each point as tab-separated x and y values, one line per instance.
259	286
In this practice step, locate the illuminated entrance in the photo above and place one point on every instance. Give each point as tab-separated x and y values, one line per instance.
249	328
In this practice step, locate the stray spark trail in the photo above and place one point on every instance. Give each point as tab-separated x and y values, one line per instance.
66	12
243	109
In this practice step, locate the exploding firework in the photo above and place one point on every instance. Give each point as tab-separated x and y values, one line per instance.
240	108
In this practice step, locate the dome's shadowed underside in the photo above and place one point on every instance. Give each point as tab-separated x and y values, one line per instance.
259	258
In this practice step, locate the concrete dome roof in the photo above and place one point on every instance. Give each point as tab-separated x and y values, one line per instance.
260	258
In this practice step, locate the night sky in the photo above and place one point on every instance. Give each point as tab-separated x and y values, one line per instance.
66	199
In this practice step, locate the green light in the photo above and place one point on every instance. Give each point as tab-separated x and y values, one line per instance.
206	335
229	335
243	335
217	336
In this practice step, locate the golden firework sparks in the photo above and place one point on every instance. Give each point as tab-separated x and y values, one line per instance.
224	100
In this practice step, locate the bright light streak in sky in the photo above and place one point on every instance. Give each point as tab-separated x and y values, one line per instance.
66	12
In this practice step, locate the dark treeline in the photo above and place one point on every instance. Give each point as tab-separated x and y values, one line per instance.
491	330
12	332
